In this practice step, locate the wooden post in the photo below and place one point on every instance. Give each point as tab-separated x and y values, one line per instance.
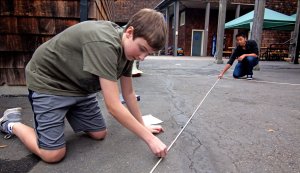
237	14
221	27
206	25
167	36
258	20
175	33
296	34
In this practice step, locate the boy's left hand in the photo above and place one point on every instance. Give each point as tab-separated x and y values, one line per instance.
155	128
240	58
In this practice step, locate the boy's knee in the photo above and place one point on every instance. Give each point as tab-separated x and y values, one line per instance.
235	75
52	156
251	58
98	135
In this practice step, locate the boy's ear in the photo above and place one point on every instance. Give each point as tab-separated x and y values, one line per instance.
129	32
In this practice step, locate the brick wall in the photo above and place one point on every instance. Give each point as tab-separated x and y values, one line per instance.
193	16
195	19
282	6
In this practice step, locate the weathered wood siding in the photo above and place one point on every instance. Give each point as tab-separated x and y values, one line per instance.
26	24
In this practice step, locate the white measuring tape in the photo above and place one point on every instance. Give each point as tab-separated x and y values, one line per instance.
185	125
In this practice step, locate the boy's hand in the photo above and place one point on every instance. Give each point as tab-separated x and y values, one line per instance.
220	75
155	129
240	58
158	148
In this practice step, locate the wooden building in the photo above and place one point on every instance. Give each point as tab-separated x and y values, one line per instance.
26	24
124	9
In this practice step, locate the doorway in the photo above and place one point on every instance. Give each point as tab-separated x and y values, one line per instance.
197	42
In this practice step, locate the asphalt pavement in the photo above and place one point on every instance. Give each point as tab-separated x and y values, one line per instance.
241	126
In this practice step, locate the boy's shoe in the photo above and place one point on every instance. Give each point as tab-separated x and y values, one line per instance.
249	77
10	115
242	77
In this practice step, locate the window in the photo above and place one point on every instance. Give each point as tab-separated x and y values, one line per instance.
182	18
173	23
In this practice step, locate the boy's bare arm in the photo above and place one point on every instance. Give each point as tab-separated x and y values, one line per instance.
120	113
240	58
227	66
130	99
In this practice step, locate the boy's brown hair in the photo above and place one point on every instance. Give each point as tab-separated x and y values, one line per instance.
150	25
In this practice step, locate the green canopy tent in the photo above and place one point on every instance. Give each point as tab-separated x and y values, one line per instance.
272	20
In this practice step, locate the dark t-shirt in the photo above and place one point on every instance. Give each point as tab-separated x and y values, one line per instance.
71	63
251	47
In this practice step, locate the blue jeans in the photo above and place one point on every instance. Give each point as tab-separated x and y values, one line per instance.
245	67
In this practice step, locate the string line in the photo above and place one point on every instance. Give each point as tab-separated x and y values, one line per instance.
158	162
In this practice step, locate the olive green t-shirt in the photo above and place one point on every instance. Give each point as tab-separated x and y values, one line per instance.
71	63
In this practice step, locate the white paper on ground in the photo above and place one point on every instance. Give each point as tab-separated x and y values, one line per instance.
151	120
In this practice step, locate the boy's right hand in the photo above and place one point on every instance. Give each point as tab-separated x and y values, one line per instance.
158	147
112	101
220	75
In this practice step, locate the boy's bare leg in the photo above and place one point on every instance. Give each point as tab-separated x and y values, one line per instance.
10	123
28	137
97	135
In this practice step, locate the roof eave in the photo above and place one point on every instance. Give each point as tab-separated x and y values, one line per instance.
163	4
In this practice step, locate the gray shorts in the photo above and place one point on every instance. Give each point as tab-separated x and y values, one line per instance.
83	114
